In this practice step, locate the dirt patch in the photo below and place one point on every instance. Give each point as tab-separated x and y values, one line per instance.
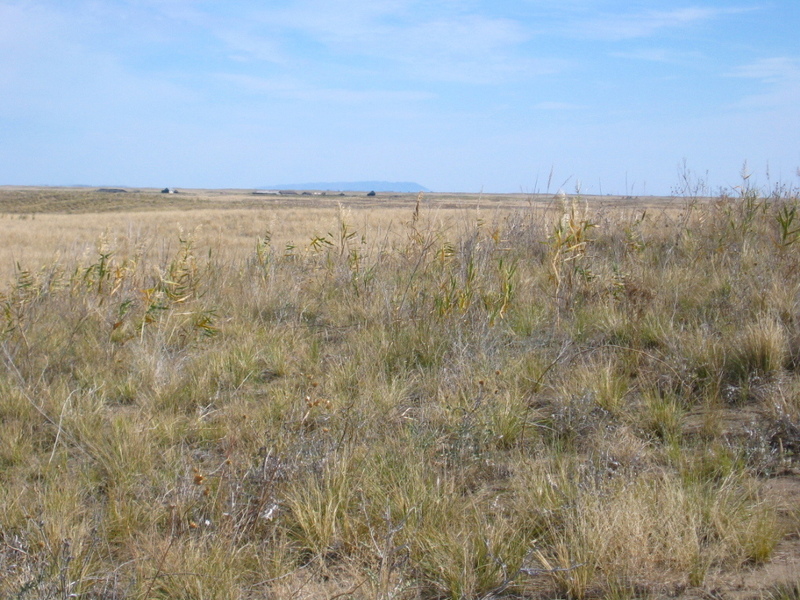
784	492
732	423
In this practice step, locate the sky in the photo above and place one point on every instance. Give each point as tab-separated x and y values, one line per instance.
598	96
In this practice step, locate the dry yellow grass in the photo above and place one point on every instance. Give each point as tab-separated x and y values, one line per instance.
488	397
41	226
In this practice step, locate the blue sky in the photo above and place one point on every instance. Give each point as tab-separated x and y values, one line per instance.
457	95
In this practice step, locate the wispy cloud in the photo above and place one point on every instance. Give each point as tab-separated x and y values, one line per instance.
394	37
557	106
469	49
449	42
776	82
658	55
625	26
779	69
54	72
247	45
294	89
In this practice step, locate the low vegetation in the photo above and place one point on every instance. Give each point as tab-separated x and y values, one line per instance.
559	401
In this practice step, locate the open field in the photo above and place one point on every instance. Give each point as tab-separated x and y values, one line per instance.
217	395
68	224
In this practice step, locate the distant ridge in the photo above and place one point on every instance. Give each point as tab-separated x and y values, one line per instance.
353	186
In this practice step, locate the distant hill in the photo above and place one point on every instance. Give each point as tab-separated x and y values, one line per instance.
353	186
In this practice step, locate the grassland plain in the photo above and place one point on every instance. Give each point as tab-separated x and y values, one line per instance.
215	396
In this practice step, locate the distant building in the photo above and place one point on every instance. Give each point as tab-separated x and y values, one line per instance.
169	191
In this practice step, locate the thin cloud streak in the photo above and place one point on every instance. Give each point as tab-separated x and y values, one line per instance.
619	27
659	55
465	48
557	106
297	90
776	78
779	69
